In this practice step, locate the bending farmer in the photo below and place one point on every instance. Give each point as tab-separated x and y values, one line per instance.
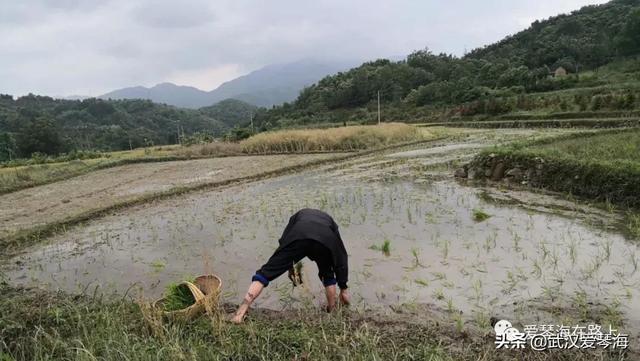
310	233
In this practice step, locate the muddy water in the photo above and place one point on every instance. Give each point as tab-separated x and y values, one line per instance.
531	261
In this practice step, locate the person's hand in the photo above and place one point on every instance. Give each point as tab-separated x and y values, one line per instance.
345	298
237	319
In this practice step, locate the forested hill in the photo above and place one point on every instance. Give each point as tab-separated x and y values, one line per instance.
586	38
42	124
487	80
231	112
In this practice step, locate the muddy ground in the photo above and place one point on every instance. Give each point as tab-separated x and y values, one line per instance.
54	202
537	259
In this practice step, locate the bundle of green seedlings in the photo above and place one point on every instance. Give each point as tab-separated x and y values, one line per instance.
178	296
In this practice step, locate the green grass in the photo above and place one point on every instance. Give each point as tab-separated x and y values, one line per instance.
604	166
606	148
36	325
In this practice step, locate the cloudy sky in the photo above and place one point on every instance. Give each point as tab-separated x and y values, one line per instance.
89	47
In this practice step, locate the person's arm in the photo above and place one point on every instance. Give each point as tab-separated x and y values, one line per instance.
252	293
330	292
342	268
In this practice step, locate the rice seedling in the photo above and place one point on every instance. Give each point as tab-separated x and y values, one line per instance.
481	319
479	215
634	261
439	276
157	265
448	284
421	282
573	251
177	297
438	294
385	247
607	248
634	225
450	306
416	258
516	243
445	249
612	314
477	289
608	206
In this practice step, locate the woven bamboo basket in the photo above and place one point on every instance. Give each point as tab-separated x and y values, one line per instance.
205	289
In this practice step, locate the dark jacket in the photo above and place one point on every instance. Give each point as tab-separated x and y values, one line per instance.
319	226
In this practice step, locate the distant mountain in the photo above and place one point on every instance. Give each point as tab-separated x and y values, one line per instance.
72	97
265	87
167	93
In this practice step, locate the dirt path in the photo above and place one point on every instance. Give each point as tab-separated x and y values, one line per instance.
54	202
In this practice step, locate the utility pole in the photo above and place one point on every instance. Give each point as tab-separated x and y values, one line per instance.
378	107
251	115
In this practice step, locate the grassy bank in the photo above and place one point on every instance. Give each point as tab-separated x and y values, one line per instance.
601	166
333	139
35	325
542	123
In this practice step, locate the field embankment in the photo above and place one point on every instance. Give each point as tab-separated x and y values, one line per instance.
28	173
36	325
542	123
602	166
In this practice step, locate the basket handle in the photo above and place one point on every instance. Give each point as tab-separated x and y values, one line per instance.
195	291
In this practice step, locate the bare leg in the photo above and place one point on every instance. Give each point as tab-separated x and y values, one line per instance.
254	291
330	292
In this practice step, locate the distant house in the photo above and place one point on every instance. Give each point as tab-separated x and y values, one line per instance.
560	72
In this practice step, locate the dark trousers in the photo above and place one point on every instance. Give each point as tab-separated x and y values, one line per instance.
284	258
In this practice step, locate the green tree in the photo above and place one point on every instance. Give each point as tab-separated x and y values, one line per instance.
628	40
7	147
39	136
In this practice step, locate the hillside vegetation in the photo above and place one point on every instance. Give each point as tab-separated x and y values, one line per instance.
597	46
231	112
37	124
519	77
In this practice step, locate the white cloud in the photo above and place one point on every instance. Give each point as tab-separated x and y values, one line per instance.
61	47
206	79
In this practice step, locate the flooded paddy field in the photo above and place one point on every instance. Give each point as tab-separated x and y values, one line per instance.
55	202
470	253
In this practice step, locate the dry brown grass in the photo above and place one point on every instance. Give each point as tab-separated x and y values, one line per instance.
334	139
214	149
